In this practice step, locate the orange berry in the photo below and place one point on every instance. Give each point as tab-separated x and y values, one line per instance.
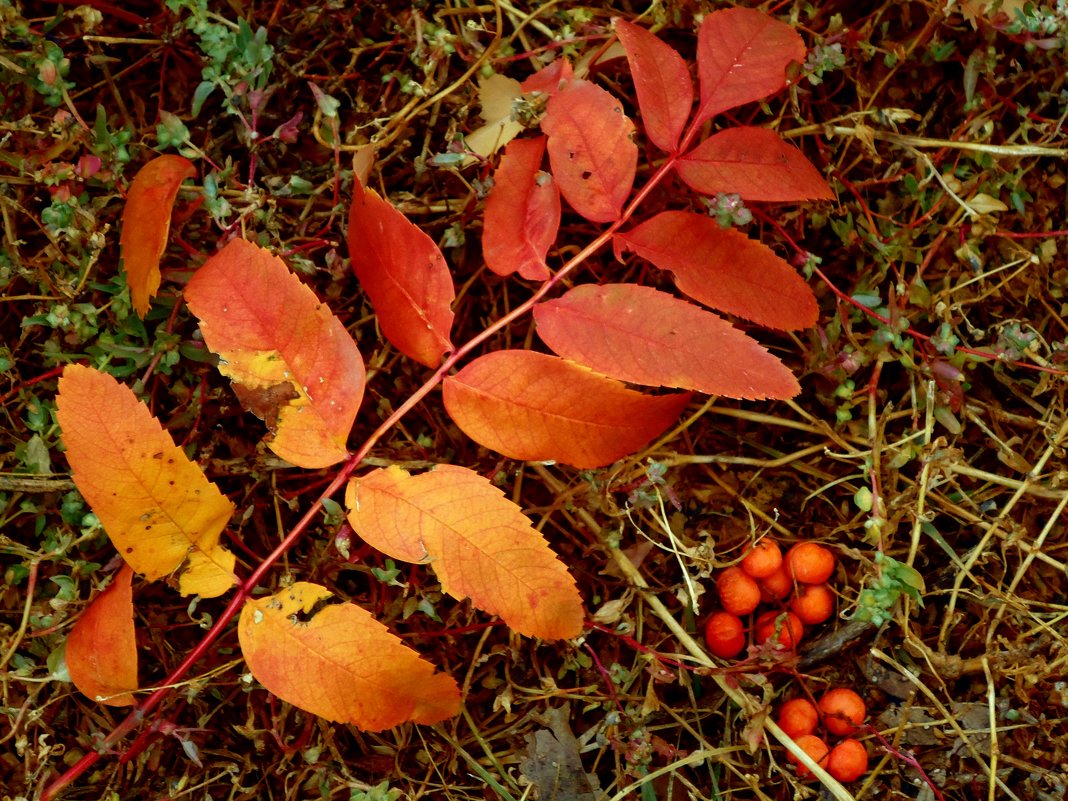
813	603
809	563
785	625
812	745
776	586
798	716
848	761
738	591
843	711
725	635
762	559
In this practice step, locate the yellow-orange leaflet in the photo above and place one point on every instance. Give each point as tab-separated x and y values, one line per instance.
336	661
480	544
158	508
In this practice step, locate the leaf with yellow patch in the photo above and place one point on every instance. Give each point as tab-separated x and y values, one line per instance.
158	508
292	362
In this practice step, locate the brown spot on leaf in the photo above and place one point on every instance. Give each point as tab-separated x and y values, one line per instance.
266	403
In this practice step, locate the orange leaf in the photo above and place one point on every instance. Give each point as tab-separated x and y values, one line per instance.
536	407
146	222
292	362
723	268
522	213
101	649
591	150
481	545
336	661
405	275
742	56
157	507
639	334
754	163
662	83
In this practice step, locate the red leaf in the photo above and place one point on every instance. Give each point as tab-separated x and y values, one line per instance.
101	649
522	213
742	56
723	268
291	360
547	80
754	163
591	150
405	275
146	222
537	407
480	543
639	334
662	82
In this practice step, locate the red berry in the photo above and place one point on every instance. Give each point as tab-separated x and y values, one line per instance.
725	635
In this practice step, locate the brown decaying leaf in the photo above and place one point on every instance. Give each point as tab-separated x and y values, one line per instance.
723	268
742	56
645	336
405	275
537	407
522	213
479	543
157	507
146	222
591	149
336	661
297	365
101	651
661	81
754	163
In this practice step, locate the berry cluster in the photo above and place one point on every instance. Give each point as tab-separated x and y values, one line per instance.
796	582
842	712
